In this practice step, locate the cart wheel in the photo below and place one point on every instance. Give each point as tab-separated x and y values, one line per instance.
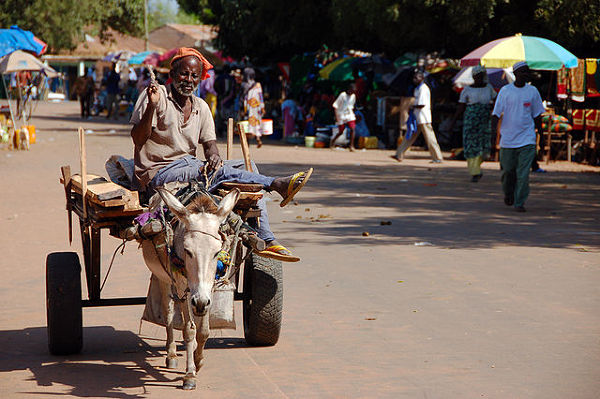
63	303
263	300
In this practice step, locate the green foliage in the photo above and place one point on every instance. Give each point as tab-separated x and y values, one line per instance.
577	22
160	13
200	8
60	23
274	29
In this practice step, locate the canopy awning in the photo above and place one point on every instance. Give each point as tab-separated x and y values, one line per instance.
16	38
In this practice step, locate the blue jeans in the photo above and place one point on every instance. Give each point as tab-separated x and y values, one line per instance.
188	168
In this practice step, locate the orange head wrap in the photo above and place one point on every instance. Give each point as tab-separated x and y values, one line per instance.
185	52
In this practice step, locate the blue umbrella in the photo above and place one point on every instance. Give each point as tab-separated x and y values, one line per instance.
16	38
139	58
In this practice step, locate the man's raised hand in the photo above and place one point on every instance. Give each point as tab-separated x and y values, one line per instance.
153	94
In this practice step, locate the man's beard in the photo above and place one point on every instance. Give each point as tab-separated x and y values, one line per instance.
184	91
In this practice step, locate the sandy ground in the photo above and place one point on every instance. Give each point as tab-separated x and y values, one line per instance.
500	305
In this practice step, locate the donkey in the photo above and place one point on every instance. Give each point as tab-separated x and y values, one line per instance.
197	241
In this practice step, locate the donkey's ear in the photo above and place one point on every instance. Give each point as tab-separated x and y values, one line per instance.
227	203
173	203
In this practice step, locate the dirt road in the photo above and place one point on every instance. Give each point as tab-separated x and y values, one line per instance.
489	304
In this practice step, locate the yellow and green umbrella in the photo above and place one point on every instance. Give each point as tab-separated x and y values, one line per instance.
539	53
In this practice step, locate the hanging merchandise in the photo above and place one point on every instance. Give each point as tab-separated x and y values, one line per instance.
562	81
592	120
592	78
577	76
578	116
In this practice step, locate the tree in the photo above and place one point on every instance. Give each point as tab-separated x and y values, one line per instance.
574	23
161	12
61	23
201	8
273	29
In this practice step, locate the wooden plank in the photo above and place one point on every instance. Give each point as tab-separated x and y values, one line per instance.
94	276
245	149
229	137
99	187
116	194
98	215
249	187
243	195
116	213
83	164
66	174
102	217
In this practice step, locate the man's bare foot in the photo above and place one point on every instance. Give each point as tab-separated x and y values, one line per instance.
258	142
351	149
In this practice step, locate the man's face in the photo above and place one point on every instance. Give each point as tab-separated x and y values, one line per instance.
186	75
523	74
418	78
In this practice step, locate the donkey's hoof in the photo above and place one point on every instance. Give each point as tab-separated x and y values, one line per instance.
171	362
189	384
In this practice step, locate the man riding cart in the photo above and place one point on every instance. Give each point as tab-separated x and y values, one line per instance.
169	123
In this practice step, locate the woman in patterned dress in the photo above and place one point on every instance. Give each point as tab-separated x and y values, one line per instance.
476	102
254	105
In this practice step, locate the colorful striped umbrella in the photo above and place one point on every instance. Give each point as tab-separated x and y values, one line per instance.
539	53
497	77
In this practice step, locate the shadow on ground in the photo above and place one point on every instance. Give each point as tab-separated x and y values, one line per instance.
440	205
111	361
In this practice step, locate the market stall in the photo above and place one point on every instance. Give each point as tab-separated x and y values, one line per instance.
29	76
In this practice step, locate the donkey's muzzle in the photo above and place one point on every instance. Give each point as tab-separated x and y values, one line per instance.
200	306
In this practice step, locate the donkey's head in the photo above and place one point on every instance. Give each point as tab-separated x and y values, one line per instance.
198	242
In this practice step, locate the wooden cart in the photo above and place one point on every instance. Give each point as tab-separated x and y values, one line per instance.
109	206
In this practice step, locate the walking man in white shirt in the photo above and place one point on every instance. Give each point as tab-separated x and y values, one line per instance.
520	106
422	111
344	116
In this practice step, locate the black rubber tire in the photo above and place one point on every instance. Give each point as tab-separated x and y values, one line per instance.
263	300
63	303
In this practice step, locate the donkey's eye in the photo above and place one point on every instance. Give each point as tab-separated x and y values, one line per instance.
188	253
217	254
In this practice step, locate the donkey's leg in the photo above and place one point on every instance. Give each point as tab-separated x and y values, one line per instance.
202	333
189	336
169	308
